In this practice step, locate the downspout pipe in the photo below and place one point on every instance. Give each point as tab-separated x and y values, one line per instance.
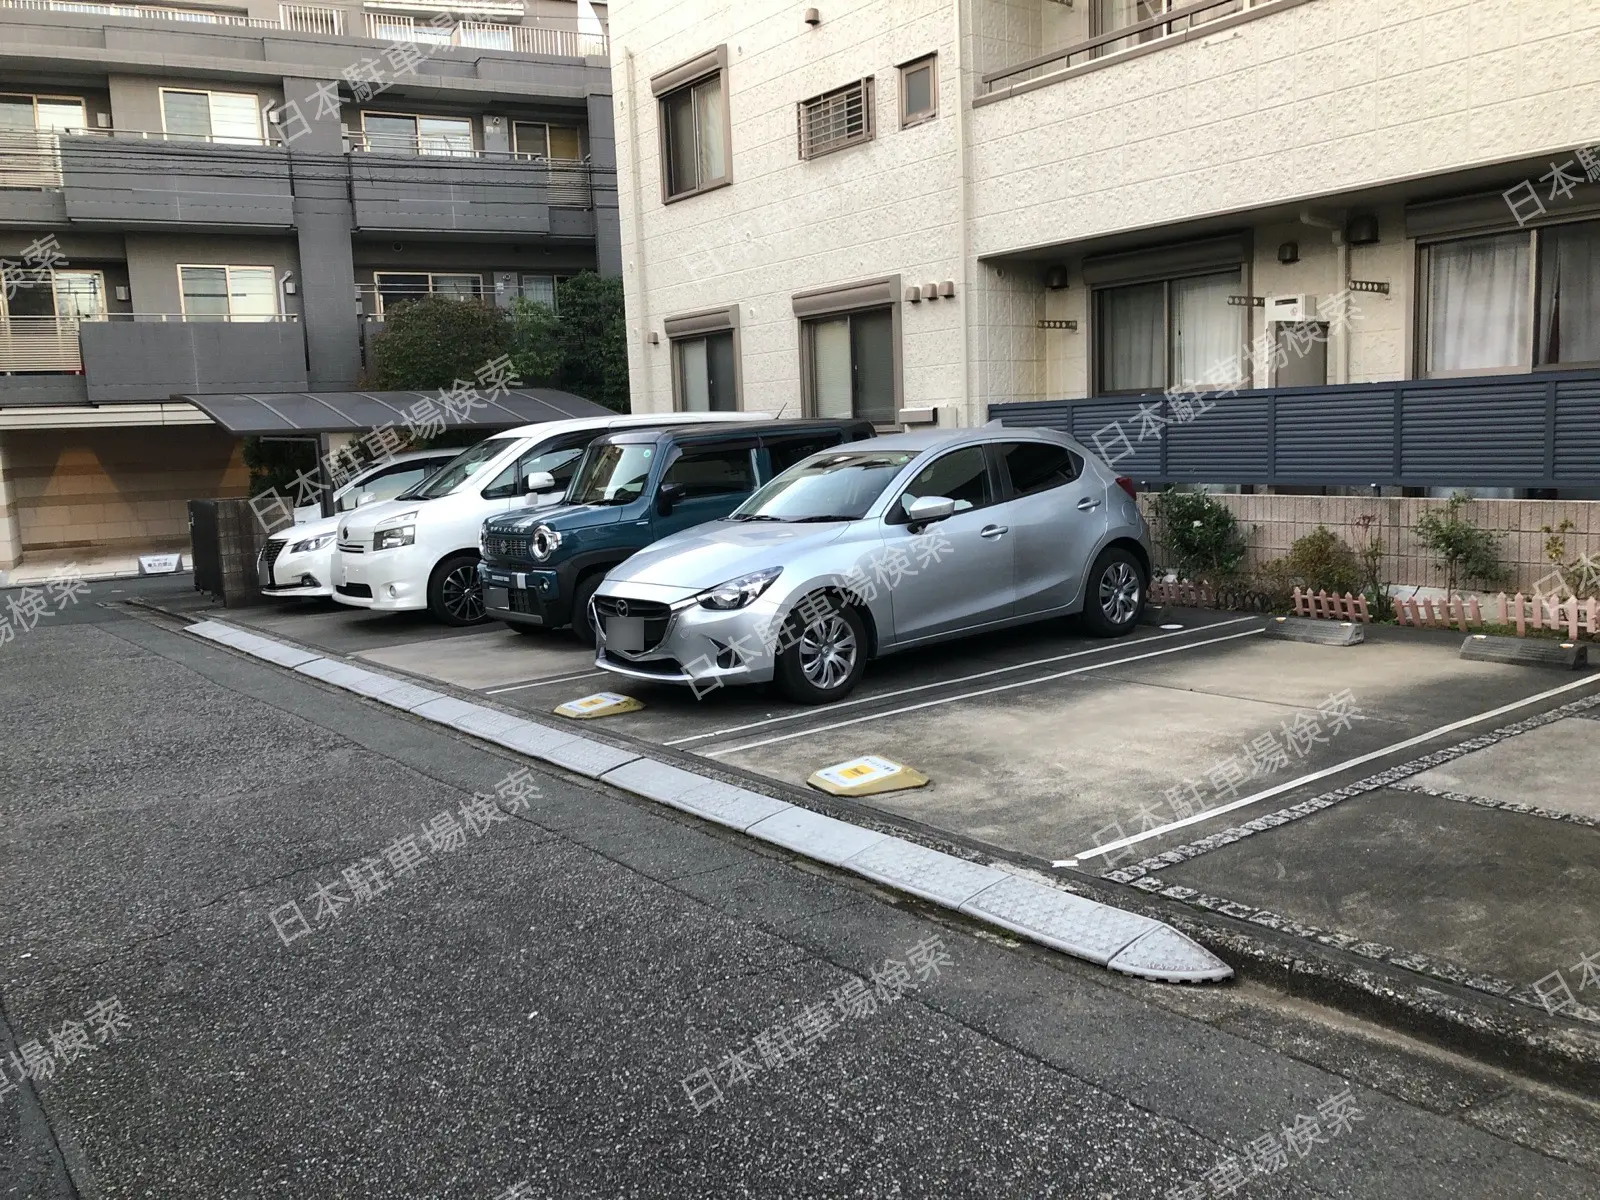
1341	250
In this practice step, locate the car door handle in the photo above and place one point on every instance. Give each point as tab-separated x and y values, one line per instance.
1088	504
994	531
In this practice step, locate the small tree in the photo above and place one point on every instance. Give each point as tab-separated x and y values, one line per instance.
432	342
1199	537
1319	561
592	331
1465	552
1373	585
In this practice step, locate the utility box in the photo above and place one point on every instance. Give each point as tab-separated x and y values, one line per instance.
1292	310
225	540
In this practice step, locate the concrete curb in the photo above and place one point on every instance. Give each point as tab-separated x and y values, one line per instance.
1122	941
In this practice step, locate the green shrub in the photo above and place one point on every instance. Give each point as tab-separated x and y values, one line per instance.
1465	553
1319	561
1199	538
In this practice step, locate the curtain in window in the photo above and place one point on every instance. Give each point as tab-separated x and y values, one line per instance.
1478	304
1207	332
1569	294
830	367
444	135
1132	338
681	152
694	383
61	114
252	293
708	117
541	289
186	114
235	118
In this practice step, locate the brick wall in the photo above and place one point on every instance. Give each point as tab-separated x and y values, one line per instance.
1272	524
117	489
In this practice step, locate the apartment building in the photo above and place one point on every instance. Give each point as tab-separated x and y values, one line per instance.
224	198
1292	244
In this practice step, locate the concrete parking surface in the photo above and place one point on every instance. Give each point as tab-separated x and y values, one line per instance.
529	1007
1052	747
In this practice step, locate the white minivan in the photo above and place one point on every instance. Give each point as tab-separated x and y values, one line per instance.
420	550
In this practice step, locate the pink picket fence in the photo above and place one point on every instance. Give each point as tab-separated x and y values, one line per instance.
1571	616
1332	608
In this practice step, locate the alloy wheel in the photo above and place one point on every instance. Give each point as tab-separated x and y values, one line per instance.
1119	593
461	595
828	651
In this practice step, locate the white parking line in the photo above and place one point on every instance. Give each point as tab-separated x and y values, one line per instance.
1324	773
542	683
922	687
1004	687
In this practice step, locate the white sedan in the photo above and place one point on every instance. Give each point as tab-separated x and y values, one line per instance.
297	562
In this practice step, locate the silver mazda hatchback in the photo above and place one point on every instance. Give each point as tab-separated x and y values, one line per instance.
875	548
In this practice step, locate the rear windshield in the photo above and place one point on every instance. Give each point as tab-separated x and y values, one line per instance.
460	469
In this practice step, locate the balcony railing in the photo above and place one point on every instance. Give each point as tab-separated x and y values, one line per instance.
1178	21
540	37
537	38
566	183
29	158
39	344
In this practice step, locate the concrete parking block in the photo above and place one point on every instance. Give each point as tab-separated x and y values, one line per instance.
529	737
1167	956
815	835
941	878
406	696
1059	919
284	656
340	674
1317	633
587	757
1525	652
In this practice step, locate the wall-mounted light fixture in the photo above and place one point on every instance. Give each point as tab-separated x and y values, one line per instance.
1289	252
1055	278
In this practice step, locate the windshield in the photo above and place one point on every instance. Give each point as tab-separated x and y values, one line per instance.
838	486
459	469
612	474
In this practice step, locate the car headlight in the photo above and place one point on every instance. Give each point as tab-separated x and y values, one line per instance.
316	543
545	542
737	593
389	539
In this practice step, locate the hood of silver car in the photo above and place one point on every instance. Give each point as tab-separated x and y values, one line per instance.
707	555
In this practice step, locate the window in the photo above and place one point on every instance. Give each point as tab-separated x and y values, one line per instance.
41	112
919	91
461	468
712	473
785	452
229	293
543	289
1569	294
1511	301
707	373
962	475
836	119
1177	332
533	140
842	486
229	117
852	366
560	461
396	133
64	295
1108	16
693	116
386	485
396	287
1038	466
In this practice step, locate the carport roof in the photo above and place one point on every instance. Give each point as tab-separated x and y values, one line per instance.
244	413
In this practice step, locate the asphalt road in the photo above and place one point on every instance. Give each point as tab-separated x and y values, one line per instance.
527	1008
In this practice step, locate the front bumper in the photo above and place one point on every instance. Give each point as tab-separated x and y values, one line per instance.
384	580
525	597
698	647
289	576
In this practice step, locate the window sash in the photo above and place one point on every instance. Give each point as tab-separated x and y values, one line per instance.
693	123
1569	294
852	366
1150	336
919	97
228	117
221	293
1477	299
707	373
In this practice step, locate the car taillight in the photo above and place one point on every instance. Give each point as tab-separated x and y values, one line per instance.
1126	485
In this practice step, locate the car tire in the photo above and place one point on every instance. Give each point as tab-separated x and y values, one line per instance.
582	625
824	656
1115	594
454	594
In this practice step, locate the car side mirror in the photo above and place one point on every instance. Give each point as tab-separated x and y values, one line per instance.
924	510
538	481
365	498
667	497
